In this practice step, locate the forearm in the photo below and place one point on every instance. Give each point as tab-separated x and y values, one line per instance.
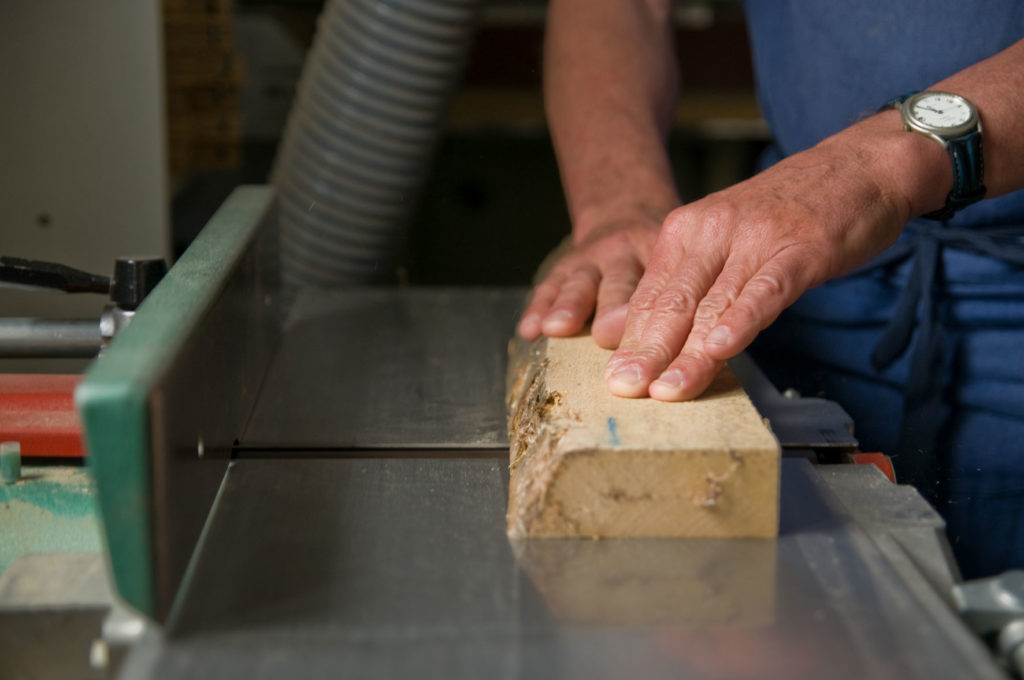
918	169
722	268
725	266
610	84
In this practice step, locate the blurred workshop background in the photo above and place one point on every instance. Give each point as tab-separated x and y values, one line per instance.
492	206
128	123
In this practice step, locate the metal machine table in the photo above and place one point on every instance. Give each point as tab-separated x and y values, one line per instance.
350	520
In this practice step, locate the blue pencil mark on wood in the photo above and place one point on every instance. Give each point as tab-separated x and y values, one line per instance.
613	431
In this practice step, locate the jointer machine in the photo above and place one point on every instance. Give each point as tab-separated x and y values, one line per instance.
314	485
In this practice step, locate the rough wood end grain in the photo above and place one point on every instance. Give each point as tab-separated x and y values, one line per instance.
586	463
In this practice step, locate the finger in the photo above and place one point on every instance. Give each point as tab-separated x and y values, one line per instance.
689	374
686	377
574	302
540	304
625	374
613	293
642	304
776	285
667	324
665	266
607	329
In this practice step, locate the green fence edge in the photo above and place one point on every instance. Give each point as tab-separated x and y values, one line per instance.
113	399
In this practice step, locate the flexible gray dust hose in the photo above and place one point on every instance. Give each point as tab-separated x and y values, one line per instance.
361	133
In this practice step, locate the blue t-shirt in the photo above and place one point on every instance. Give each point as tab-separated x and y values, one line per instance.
822	66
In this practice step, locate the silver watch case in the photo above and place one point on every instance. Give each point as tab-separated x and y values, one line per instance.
939	134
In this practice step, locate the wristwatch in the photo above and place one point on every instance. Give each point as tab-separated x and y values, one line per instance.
952	121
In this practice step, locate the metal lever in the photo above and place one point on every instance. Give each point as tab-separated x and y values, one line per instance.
50	275
133	280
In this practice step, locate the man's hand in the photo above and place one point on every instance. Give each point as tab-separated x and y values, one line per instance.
610	85
601	271
725	267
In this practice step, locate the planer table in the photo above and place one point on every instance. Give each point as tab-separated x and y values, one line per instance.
316	487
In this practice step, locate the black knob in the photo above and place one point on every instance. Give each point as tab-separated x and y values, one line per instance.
134	279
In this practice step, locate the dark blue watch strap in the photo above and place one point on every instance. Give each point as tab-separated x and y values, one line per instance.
968	168
968	175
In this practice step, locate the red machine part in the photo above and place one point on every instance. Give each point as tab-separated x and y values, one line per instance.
879	460
39	411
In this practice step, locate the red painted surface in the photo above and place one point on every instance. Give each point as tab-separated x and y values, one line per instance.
879	460
39	411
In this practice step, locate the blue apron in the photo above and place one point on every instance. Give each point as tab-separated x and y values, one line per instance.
925	345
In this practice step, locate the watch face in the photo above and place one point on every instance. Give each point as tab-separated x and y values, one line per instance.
940	110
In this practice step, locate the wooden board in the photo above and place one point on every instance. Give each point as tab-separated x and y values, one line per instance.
586	463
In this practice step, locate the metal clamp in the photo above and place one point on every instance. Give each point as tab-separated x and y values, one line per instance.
133	280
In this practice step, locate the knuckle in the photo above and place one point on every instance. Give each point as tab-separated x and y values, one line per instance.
674	225
768	284
643	300
577	283
546	288
677	300
654	353
621	278
719	217
561	268
575	296
742	315
567	299
676	218
619	290
692	357
608	248
590	275
617	241
710	309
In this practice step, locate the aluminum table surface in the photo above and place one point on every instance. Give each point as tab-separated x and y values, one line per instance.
360	533
400	568
389	368
425	368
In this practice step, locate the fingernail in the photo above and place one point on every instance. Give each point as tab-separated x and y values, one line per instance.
627	376
719	335
528	320
529	324
672	378
556	319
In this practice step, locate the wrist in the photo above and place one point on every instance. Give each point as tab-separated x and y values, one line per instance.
598	219
912	171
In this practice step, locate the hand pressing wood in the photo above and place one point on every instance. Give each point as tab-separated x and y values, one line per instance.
586	463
